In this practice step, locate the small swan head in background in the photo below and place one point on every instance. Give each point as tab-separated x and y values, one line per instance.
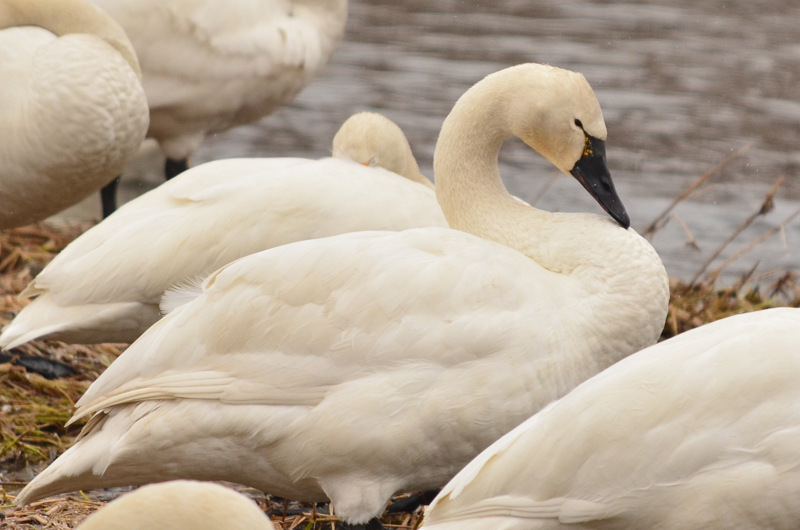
372	139
180	505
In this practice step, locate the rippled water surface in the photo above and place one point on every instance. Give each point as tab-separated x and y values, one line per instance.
683	84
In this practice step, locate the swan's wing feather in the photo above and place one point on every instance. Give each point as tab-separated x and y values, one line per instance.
689	420
181	230
326	318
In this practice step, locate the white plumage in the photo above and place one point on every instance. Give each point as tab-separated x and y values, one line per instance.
699	431
352	367
107	284
72	108
209	65
180	505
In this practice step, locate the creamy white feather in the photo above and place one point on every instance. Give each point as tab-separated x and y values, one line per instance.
699	431
180	505
209	65
107	284
352	367
362	137
72	108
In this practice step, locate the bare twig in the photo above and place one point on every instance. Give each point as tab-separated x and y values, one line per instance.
690	240
766	206
763	237
660	219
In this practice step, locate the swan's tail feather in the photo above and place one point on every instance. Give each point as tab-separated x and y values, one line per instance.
79	468
43	318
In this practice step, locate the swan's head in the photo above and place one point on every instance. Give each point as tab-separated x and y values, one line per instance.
63	17
558	115
180	505
373	140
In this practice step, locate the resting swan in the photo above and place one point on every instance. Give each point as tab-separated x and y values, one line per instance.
72	108
699	431
356	366
106	285
209	65
180	505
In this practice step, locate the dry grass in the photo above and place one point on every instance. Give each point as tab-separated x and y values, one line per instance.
33	410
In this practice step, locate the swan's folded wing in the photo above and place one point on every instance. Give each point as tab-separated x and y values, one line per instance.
340	308
210	385
566	511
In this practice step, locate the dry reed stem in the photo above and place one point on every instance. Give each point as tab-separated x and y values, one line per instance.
660	219
766	206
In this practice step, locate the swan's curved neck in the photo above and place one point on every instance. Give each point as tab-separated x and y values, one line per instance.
63	17
468	183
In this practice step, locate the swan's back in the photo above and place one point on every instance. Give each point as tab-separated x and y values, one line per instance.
73	110
180	505
699	431
209	65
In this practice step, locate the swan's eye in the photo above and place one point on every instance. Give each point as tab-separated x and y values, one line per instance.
578	123
373	161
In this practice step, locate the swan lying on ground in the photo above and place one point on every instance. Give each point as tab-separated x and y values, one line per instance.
699	431
106	285
72	108
180	505
209	65
356	366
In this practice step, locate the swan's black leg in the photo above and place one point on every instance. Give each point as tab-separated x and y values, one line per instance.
108	197
175	167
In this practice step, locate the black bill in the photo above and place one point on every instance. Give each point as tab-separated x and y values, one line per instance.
592	172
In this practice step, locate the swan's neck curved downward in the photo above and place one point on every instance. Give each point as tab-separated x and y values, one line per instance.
63	17
468	183
611	273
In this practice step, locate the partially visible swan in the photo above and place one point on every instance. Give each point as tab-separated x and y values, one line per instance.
72	108
356	366
180	505
699	431
107	284
209	65
363	138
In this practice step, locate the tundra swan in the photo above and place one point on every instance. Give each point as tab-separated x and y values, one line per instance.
106	285
352	367
699	431
72	108
180	505
209	65
363	138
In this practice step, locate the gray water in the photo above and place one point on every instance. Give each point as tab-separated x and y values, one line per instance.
683	84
